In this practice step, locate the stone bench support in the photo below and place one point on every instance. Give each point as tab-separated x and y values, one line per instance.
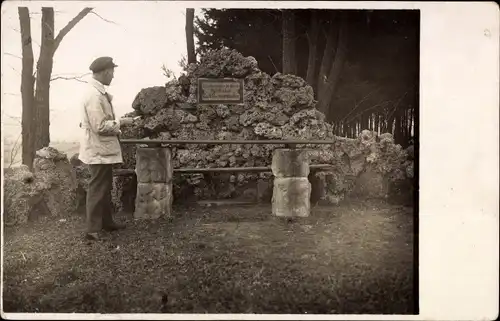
154	172
292	190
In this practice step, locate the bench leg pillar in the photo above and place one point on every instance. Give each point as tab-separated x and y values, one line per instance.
292	190
154	183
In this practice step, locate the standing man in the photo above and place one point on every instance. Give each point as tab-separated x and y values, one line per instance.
100	148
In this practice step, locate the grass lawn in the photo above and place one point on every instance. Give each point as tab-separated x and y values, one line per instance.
353	258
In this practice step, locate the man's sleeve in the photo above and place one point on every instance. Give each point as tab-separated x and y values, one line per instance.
99	122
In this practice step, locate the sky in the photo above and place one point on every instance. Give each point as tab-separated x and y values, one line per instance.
145	36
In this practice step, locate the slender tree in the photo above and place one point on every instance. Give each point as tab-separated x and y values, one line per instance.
49	45
27	89
328	81
289	60
35	86
312	39
190	35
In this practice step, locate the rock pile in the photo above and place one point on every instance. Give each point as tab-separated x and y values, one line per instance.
23	195
54	169
277	107
49	190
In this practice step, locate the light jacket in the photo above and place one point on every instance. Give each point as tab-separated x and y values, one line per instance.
99	143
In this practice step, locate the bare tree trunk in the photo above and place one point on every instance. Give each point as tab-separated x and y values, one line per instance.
327	58
312	38
27	83
364	122
397	130
49	45
288	27
328	92
44	71
389	124
404	130
409	123
190	36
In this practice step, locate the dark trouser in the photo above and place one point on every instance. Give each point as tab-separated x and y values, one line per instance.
99	197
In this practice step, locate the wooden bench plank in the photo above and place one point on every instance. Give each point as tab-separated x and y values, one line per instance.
263	169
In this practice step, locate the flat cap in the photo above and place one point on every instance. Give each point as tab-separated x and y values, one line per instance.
102	63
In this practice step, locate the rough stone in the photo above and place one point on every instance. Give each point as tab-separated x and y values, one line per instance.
167	119
154	200
23	196
54	169
149	100
371	184
154	165
290	163
277	107
291	197
268	131
123	193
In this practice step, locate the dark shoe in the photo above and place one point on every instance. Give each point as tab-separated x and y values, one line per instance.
114	227
92	236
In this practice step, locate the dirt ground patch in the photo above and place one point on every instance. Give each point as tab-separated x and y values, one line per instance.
354	258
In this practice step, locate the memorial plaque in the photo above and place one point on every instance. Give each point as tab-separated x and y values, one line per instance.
220	91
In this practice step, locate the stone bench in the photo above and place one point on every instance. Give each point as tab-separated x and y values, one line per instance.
290	167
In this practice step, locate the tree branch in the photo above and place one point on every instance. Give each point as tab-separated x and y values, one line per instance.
276	68
395	106
14	69
382	104
77	78
9	54
109	21
14	152
64	31
55	11
17	119
357	104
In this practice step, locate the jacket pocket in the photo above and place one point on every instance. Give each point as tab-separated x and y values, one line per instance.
99	145
108	145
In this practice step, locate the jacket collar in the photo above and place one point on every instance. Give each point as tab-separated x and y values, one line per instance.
100	87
